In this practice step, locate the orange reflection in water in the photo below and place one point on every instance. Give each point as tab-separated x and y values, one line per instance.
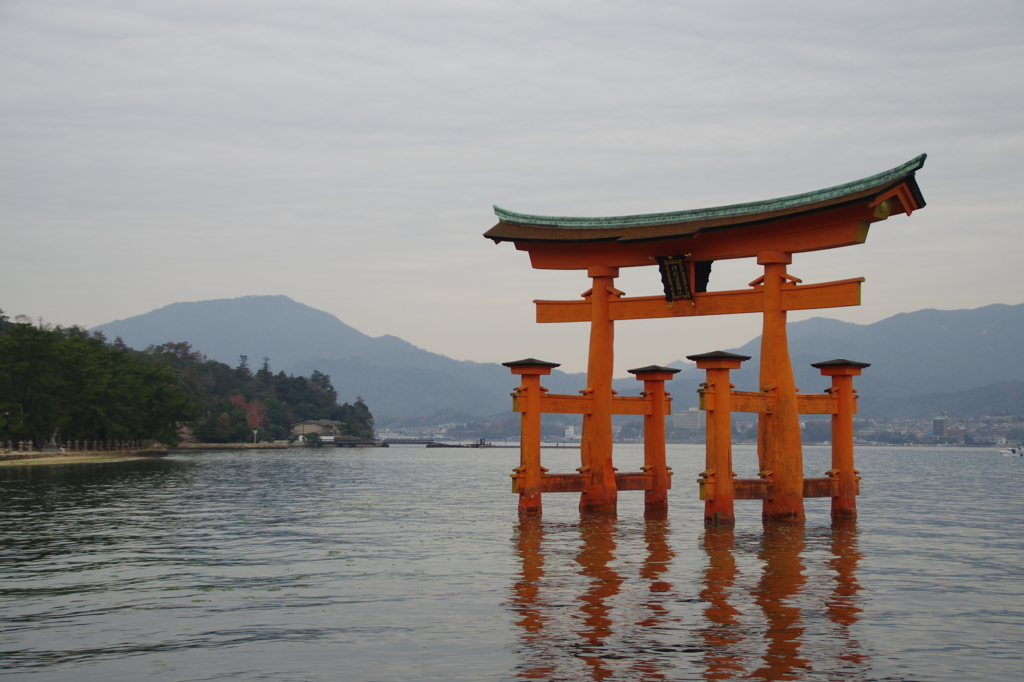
526	600
843	603
776	593
594	558
795	642
587	610
657	561
723	630
600	633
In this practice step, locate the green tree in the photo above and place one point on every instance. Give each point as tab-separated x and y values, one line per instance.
68	384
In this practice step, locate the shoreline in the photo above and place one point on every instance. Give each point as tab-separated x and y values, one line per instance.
229	446
79	457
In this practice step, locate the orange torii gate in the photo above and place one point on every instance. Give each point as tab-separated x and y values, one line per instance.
684	244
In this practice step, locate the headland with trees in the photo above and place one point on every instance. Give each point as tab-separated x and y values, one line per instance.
65	384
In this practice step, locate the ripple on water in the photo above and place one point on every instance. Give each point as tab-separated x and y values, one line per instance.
320	564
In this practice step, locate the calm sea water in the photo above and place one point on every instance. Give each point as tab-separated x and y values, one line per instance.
410	564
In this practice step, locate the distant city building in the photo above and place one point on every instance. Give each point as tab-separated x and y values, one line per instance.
940	426
693	419
570	431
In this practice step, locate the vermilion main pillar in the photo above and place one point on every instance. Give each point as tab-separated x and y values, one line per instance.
779	444
596	445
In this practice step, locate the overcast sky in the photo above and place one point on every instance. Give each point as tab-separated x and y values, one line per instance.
347	154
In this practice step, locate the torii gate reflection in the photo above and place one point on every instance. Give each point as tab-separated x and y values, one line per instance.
635	623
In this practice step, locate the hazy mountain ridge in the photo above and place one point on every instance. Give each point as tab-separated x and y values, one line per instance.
924	352
932	355
1003	397
257	326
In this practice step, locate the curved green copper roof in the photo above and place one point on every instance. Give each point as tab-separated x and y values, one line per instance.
718	212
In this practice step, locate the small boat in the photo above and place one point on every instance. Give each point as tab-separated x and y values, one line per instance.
479	444
1012	452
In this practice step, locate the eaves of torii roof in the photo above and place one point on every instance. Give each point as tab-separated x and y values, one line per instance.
824	219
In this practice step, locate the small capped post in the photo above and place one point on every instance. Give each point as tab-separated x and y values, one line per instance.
843	474
716	400
526	479
655	465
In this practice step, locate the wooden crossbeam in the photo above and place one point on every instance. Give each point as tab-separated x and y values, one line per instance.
817	403
761	489
741	401
554	403
636	405
577	483
794	297
762	403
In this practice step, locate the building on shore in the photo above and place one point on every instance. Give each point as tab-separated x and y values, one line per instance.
693	420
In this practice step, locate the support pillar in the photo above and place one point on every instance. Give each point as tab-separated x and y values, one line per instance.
600	494
654	378
527	474
843	473
719	492
779	444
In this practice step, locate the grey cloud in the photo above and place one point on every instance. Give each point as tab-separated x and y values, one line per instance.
230	142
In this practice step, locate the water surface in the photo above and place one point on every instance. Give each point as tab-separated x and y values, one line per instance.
409	563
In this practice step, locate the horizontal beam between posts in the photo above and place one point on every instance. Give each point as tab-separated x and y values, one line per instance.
582	404
577	483
763	403
762	489
794	297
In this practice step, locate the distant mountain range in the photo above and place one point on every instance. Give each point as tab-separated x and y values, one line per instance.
964	362
395	377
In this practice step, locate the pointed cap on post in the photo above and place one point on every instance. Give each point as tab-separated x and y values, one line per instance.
840	367
718	359
654	373
531	366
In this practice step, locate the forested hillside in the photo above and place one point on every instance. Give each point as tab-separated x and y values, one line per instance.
68	384
232	402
